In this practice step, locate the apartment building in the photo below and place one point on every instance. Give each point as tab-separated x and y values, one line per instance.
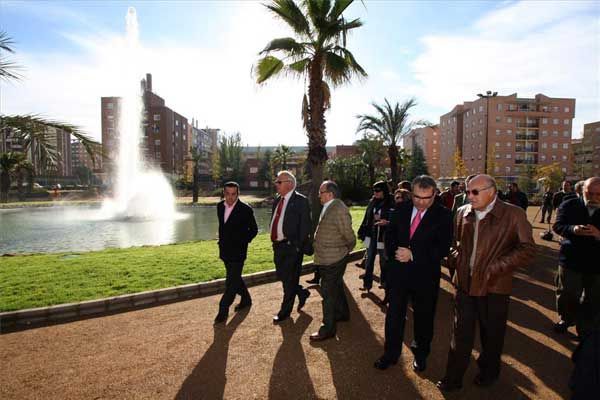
428	139
586	152
81	158
503	135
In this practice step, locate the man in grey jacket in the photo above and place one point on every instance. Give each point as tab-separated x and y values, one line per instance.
334	239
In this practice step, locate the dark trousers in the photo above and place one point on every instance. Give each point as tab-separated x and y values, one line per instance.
570	287
288	265
490	312
546	209
423	299
335	304
372	252
234	284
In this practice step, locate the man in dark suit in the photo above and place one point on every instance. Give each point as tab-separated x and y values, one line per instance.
418	238
291	236
578	222
237	228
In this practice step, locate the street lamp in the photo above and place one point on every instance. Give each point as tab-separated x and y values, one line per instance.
486	96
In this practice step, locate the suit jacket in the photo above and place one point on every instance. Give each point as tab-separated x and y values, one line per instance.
297	224
578	253
237	232
334	237
366	227
429	244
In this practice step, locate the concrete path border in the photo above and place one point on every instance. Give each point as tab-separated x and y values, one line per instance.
63	313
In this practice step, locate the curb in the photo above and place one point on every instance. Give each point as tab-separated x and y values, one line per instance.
36	317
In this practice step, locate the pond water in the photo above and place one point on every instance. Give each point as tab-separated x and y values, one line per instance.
83	228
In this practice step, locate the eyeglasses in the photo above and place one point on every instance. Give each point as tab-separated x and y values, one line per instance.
377	190
475	192
323	191
280	182
422	198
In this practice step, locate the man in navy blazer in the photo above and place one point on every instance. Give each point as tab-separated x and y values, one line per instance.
237	228
418	237
578	222
291	236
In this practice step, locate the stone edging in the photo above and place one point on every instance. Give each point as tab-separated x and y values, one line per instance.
36	317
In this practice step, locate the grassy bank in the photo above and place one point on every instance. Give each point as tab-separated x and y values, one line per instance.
49	279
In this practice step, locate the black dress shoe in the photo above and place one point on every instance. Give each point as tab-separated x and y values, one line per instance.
384	363
313	281
280	318
242	305
361	276
318	337
561	327
447	386
419	364
305	294
220	318
482	380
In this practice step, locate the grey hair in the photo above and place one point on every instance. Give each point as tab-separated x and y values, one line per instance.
490	181
332	188
290	175
424	182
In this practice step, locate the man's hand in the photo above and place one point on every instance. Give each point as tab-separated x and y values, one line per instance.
586	230
381	222
403	254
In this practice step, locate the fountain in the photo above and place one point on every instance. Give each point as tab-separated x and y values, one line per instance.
138	194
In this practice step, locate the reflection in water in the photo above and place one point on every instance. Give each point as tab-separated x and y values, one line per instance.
62	229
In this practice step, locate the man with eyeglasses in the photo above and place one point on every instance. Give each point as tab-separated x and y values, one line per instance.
491	239
291	236
417	239
578	222
334	239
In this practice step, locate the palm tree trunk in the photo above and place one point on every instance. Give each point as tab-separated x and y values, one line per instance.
4	186
195	186
393	154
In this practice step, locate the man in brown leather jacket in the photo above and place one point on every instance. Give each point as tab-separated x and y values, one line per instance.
491	239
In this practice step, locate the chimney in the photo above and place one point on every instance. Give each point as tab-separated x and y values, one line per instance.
149	82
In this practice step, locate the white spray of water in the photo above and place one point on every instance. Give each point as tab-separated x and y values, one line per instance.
139	194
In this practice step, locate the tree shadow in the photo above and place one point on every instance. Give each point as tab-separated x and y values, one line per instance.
351	358
290	378
208	379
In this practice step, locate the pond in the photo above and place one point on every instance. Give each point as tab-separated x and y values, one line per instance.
81	228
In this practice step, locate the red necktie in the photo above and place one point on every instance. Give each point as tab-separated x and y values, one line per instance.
415	223
276	220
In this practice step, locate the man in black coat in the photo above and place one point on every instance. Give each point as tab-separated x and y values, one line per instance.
516	197
417	239
578	222
237	228
290	229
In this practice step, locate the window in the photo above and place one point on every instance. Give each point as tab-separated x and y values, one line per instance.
496	169
253	184
474	111
543	157
253	170
544	120
156	117
555	109
544	133
480	121
509	120
555	133
157	155
566	134
480	108
498	119
555	121
467	113
555	145
544	145
497	131
509	131
508	144
553	157
497	155
565	121
567	109
110	106
499	107
565	146
564	169
564	158
176	122
507	169
497	144
508	156
157	142
111	117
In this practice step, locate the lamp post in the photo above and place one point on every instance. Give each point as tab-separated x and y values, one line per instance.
486	96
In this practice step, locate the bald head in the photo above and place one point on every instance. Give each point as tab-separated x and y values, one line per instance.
481	191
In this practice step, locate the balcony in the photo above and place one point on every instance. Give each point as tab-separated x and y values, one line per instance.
526	149
526	162
528	137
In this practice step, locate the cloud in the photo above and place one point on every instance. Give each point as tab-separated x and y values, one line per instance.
526	47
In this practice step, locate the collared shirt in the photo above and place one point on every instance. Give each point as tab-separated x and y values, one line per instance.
479	215
325	208
286	200
414	213
228	210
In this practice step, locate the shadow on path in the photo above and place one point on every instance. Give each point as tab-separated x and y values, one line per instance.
208	379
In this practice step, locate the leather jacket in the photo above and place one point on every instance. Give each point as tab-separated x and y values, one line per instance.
504	243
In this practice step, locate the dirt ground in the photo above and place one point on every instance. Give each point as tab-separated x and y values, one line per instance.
174	352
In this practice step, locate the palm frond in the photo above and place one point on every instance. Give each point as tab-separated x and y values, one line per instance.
338	8
317	11
291	14
267	67
288	45
8	69
300	66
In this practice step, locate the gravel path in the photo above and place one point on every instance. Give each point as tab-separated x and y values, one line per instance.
174	352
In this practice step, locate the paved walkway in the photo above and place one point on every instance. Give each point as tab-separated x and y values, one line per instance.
174	352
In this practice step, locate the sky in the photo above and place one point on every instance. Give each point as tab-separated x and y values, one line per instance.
201	53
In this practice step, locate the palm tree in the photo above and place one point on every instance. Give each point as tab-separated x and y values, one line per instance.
281	155
9	164
8	69
196	157
319	55
390	124
372	152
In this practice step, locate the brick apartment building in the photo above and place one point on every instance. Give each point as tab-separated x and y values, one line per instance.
508	133
167	134
586	152
205	141
428	139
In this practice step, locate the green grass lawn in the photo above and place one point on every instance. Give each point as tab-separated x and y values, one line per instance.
47	279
